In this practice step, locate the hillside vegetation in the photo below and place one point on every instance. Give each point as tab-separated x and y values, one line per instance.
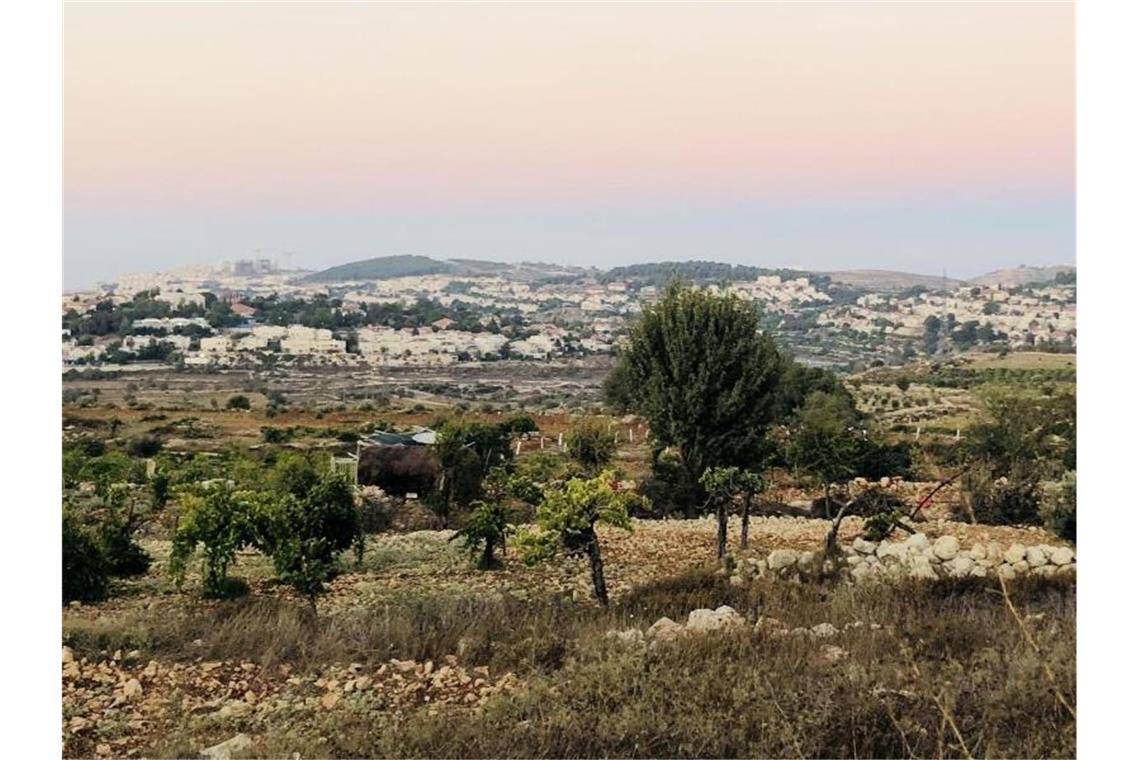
382	268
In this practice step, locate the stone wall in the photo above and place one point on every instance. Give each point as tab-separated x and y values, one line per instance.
918	557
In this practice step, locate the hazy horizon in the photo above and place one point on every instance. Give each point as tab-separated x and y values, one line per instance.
915	137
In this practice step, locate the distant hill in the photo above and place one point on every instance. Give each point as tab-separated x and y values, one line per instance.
1022	275
382	268
659	273
886	281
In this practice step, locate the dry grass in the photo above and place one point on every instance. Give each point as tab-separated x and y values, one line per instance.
950	674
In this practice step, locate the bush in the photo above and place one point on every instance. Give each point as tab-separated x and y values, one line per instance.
222	521
123	557
238	402
85	576
591	444
303	531
1011	500
144	446
1059	507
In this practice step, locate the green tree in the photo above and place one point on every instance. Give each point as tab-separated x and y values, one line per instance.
592	445
85	573
567	520
723	485
305	532
825	441
706	381
222	521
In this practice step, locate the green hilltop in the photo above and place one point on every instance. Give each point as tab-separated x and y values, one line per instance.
382	268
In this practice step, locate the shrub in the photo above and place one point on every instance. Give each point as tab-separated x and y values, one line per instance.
591	444
304	531
222	521
144	446
567	518
238	402
485	528
84	567
1059	507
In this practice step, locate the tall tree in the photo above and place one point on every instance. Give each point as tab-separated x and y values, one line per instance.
706	380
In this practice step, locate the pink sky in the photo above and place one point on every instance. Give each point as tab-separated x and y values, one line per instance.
888	135
279	101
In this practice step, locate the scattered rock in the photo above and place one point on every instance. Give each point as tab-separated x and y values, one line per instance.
226	750
824	630
132	689
664	630
703	620
782	558
628	637
832	653
917	542
864	546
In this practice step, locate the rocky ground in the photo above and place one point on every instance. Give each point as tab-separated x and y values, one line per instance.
124	702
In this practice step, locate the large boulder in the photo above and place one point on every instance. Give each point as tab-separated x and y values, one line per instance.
946	548
705	620
226	750
664	629
782	558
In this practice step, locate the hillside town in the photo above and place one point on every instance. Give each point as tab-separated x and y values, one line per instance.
250	312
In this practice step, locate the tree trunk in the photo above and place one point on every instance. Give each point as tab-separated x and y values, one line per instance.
827	500
744	520
721	528
597	572
488	560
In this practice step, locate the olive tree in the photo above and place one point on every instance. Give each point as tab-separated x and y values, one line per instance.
706	380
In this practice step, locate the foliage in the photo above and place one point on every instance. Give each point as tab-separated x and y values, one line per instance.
238	402
485	528
591	444
1059	507
722	485
303	531
542	466
706	380
1022	442
85	573
567	518
223	521
826	441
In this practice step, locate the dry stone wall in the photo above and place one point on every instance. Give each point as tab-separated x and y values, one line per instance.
918	557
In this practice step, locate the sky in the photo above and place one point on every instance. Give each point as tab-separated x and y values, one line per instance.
925	137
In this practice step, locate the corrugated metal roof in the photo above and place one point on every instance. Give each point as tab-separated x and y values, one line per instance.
420	437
